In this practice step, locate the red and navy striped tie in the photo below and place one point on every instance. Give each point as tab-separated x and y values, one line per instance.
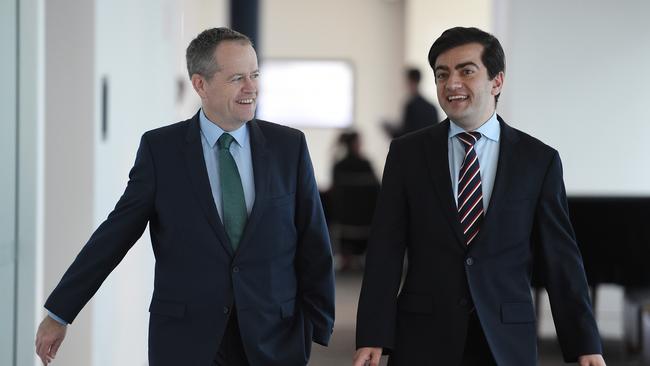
470	193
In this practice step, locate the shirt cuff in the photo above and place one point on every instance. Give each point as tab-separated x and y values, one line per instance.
58	320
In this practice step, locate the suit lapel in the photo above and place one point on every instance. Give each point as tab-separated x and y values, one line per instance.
438	161
200	182
508	158
260	158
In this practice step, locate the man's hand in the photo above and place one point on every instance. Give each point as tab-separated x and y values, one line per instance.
367	356
591	360
49	338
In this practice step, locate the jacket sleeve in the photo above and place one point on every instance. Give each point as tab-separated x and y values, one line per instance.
110	242
377	311
563	269
314	262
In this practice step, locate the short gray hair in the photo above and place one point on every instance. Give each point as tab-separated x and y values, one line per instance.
200	52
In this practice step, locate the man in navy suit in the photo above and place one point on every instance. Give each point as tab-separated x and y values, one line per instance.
243	270
474	203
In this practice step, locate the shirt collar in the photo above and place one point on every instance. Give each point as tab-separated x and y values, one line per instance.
490	129
212	132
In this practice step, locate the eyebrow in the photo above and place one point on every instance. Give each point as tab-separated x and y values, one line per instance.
464	64
457	67
243	73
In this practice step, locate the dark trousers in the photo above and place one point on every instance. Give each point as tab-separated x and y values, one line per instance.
231	351
477	351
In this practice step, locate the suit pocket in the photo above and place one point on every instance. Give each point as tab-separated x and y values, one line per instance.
414	303
281	200
173	309
517	313
287	308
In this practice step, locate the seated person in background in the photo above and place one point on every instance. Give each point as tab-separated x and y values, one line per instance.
353	195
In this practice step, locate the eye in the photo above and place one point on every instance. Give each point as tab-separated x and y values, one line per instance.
441	76
236	78
468	71
255	76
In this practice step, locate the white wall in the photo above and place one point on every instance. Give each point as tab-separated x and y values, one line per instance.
8	180
575	79
68	155
369	33
29	215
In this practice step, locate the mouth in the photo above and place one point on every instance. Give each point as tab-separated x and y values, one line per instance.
457	98
246	101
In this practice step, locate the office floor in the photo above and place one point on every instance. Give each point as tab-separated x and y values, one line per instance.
341	348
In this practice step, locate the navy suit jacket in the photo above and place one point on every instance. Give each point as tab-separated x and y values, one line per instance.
527	220
280	278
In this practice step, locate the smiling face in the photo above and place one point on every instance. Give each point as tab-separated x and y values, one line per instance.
465	91
229	97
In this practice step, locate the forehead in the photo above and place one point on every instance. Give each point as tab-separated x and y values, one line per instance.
235	57
470	52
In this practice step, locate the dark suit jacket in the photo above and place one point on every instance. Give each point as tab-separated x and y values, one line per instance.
280	278
418	114
527	215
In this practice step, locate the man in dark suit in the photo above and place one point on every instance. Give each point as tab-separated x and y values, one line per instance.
418	112
473	202
243	261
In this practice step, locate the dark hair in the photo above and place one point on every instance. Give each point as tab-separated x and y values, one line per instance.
492	57
347	140
413	74
200	52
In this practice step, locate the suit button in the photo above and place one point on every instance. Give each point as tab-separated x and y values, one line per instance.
226	310
235	269
469	261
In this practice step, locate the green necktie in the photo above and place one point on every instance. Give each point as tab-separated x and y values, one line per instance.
232	193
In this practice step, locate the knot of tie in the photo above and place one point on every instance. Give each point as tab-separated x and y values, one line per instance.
224	141
469	138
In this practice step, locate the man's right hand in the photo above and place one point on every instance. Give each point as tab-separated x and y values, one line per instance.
367	356
49	338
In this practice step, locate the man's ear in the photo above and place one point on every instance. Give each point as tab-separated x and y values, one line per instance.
497	83
198	83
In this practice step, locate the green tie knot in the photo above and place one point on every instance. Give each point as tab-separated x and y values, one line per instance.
224	141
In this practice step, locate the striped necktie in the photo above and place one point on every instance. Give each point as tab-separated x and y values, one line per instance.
470	193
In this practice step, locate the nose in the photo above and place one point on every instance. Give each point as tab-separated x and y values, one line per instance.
453	82
250	85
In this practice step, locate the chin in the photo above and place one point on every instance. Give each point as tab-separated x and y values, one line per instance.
455	117
246	117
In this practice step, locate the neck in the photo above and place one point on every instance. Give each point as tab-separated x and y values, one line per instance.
225	125
473	126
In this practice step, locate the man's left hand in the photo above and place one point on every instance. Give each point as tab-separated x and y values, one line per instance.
591	360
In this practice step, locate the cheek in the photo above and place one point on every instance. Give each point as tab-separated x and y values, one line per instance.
440	92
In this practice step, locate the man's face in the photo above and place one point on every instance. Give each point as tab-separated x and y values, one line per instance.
229	97
465	92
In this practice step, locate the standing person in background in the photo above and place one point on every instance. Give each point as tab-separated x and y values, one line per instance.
474	203
244	271
353	197
418	112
